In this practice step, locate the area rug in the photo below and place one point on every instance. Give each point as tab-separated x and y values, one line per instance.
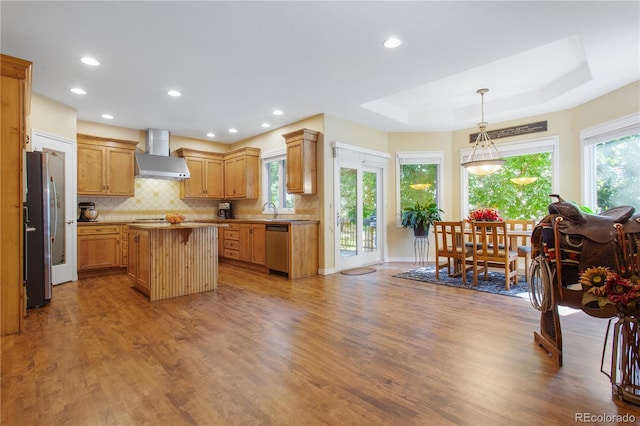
495	283
358	271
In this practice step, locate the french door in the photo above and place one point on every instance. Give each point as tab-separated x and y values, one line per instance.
62	159
359	209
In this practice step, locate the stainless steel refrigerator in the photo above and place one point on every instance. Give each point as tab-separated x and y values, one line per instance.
37	230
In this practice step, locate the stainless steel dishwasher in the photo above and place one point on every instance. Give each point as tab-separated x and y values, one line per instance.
278	248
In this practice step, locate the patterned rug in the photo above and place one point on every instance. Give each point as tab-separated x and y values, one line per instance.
495	284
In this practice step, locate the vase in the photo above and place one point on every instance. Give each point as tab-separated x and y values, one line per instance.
625	359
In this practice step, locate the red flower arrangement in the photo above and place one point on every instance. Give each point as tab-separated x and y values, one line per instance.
484	214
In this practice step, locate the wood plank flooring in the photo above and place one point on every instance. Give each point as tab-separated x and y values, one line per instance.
332	350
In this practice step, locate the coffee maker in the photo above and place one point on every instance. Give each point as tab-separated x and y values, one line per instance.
224	211
88	212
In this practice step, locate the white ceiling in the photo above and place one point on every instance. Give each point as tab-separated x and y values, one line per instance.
235	62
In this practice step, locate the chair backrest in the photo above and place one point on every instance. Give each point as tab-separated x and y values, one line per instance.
490	241
521	225
449	237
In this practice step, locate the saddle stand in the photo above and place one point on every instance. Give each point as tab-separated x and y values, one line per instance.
565	243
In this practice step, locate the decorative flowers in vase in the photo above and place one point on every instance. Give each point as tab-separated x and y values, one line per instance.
604	286
484	214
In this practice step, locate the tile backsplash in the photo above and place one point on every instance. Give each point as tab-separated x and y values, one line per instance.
154	198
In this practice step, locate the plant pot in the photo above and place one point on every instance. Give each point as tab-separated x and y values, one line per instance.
421	231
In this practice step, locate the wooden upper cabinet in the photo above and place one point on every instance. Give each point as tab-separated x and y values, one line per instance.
105	166
302	161
207	174
242	173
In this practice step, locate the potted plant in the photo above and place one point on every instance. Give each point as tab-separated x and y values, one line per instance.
420	217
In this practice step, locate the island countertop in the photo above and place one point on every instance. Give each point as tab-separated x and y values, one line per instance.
174	226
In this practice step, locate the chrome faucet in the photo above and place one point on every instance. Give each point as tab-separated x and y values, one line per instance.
275	209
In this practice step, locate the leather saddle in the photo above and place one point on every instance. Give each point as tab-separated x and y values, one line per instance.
600	228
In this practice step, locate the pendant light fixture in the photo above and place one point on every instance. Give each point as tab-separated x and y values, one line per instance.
487	159
524	180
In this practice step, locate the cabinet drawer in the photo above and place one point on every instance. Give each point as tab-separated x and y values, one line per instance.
231	235
233	254
232	227
232	244
98	230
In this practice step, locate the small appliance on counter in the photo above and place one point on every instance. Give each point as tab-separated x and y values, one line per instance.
225	211
88	212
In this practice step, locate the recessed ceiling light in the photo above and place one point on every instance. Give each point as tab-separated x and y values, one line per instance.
174	93
107	116
277	112
211	135
392	43
232	130
78	91
265	125
90	61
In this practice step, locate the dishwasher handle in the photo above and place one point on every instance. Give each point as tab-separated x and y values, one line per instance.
277	228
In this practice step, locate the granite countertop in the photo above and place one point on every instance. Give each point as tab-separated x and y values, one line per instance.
201	221
174	226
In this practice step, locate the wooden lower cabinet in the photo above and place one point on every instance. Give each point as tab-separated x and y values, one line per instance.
139	259
99	247
245	244
252	243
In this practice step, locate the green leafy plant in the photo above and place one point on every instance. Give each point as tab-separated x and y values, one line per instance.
420	216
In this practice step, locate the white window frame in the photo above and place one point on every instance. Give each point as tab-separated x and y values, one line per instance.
592	136
512	149
269	157
418	157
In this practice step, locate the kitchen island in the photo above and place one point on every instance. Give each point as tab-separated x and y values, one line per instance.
170	260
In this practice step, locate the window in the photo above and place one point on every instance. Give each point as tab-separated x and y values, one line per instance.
418	178
534	158
610	154
274	182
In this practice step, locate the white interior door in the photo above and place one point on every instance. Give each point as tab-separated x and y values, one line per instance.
359	209
62	160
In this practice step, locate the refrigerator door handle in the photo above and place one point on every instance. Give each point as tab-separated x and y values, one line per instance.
54	202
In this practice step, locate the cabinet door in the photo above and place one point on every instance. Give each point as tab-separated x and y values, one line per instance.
144	262
246	242
235	177
119	163
194	186
91	174
98	251
259	244
215	179
294	168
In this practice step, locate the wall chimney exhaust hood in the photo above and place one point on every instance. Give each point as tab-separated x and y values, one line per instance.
156	162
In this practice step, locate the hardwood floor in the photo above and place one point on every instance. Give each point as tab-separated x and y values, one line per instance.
334	350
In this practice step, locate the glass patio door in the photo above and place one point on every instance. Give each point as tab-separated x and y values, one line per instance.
358	213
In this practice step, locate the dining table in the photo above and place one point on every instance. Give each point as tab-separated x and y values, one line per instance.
512	235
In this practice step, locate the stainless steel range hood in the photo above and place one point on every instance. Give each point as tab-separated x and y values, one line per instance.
156	161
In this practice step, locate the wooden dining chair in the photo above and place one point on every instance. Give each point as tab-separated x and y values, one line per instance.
491	249
523	243
449	238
